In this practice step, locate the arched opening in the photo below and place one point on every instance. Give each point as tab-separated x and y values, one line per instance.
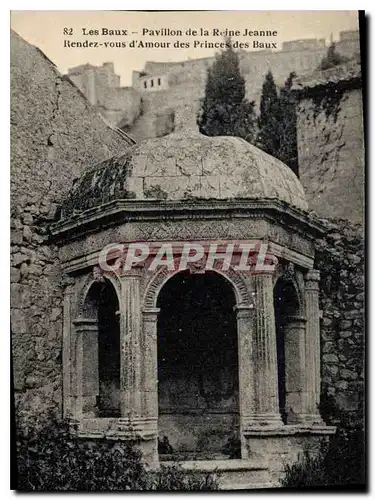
102	369
198	368
289	336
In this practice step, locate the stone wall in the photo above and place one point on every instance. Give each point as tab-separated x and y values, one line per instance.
187	83
294	56
340	259
114	102
182	101
331	152
101	86
96	82
54	133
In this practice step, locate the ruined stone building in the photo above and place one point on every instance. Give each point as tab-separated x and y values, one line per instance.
214	360
165	95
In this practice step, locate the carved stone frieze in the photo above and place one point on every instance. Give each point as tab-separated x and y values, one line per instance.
80	254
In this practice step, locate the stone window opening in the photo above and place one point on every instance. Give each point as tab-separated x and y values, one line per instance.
152	83
159	81
145	84
290	338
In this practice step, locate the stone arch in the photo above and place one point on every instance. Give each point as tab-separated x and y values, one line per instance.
96	346
289	274
290	326
197	338
160	277
84	302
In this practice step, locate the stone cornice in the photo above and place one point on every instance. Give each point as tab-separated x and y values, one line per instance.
121	211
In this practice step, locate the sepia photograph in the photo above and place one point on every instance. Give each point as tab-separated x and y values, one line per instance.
187	280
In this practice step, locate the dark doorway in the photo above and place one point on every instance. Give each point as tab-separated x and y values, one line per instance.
198	366
109	352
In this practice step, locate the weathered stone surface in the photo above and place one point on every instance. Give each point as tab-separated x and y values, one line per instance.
18	258
331	154
187	166
342	385
345	324
54	134
330	370
347	401
348	374
15	275
343	334
330	358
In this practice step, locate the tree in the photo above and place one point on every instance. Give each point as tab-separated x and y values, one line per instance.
269	119
288	152
332	58
277	122
224	109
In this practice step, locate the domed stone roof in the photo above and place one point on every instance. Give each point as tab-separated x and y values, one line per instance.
184	166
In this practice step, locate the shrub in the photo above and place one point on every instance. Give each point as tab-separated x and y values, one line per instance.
50	458
173	478
340	463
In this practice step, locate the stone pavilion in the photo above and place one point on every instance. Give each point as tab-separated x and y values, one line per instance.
223	365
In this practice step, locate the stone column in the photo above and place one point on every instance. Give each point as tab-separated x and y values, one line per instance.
295	369
67	354
150	364
265	353
246	373
130	344
312	346
87	367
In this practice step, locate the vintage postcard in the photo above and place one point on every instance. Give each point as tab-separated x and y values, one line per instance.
187	250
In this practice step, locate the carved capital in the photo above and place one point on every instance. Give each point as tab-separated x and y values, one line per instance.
150	314
268	267
312	279
86	325
244	310
136	271
312	275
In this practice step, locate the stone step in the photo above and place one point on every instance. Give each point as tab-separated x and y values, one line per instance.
191	456
235	474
